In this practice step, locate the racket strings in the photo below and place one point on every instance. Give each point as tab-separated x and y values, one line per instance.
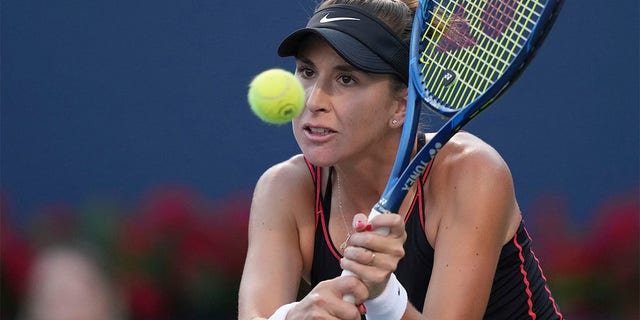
490	49
467	45
473	17
491	62
508	48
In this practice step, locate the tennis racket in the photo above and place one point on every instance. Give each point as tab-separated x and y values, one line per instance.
463	55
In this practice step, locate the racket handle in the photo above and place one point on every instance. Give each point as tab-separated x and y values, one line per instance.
374	213
381	231
348	297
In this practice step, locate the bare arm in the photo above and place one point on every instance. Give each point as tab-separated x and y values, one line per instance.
273	266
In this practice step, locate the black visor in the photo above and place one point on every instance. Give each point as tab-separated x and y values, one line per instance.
361	39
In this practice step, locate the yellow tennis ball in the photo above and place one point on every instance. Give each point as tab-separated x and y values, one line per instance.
276	96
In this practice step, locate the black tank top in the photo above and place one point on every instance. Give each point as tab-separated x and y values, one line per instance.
519	288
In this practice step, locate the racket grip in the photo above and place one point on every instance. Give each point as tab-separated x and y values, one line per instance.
374	213
381	231
348	297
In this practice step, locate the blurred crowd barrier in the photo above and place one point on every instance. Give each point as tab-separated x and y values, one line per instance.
176	255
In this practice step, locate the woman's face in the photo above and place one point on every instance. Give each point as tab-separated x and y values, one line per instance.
347	112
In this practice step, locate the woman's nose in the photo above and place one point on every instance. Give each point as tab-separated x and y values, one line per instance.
318	98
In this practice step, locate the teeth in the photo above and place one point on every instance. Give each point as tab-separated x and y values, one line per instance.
319	130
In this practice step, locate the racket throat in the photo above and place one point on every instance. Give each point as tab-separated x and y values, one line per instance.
419	169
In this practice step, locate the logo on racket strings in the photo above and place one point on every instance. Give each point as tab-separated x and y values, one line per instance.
448	77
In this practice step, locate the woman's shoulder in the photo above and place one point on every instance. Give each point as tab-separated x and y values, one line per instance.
286	177
288	170
467	164
465	150
284	188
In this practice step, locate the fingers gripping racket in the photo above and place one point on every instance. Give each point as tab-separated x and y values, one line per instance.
463	56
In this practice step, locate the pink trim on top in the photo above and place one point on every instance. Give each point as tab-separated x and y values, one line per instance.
420	195
417	199
319	210
312	169
524	274
546	287
315	173
327	240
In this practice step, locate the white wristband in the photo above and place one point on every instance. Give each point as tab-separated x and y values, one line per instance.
390	304
281	313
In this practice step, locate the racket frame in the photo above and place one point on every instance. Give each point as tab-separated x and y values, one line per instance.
405	172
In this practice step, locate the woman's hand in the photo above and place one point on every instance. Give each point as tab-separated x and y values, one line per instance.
325	300
372	257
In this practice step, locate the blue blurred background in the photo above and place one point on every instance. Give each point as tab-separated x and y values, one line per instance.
120	110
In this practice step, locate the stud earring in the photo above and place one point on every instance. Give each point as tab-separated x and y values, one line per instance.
394	122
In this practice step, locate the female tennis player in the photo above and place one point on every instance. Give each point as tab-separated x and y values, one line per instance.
457	247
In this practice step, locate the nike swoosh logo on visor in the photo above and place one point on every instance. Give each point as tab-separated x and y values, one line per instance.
326	19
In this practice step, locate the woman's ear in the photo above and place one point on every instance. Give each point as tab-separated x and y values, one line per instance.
399	109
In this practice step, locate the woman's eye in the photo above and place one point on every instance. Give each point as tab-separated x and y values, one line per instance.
347	80
305	72
309	73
